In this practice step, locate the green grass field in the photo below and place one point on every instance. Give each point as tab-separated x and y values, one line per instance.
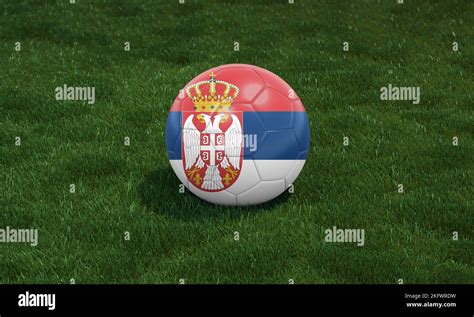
176	236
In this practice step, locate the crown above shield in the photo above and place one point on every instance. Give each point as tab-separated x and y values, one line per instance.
212	102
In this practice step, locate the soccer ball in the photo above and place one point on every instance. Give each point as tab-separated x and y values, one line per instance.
237	135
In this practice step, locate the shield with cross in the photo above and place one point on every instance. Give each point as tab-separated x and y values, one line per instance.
212	148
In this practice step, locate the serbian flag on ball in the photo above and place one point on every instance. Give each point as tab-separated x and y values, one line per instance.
237	134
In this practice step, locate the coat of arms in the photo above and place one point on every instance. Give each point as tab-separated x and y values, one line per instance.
212	136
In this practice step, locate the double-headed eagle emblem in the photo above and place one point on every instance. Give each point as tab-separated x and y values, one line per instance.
212	136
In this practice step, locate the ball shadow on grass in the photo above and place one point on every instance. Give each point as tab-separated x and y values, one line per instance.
159	192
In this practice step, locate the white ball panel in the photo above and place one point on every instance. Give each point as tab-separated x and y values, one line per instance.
271	170
249	189
248	178
262	192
